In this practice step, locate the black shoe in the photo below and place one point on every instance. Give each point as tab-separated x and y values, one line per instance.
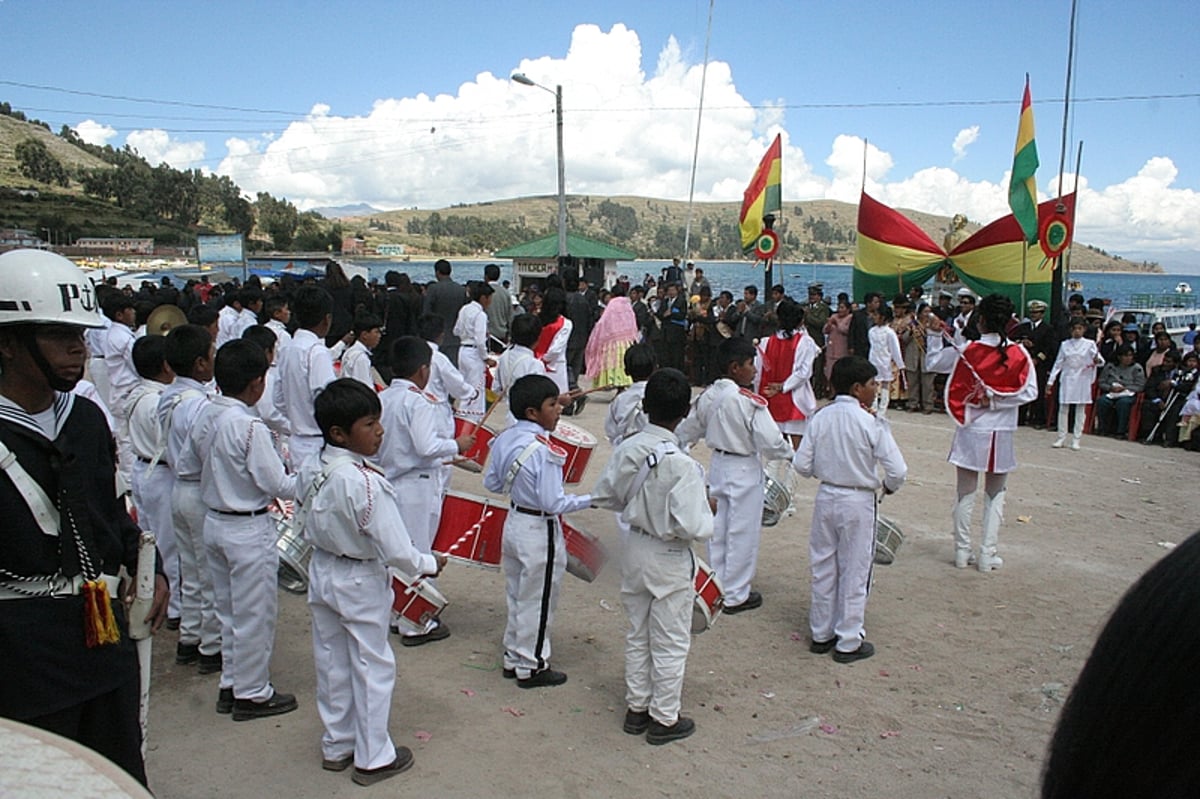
277	705
436	634
658	734
542	679
370	776
225	701
210	664
509	674
864	651
754	600
186	654
636	722
172	623
338	763
821	647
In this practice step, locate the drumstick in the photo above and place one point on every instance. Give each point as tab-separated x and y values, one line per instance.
584	393
473	530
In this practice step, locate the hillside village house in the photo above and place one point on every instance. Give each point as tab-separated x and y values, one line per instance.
116	245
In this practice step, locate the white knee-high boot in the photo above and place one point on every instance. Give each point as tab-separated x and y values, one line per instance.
962	530
1064	411
1077	431
993	517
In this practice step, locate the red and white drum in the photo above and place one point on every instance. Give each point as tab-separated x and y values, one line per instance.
579	444
586	556
474	459
710	598
416	601
470	530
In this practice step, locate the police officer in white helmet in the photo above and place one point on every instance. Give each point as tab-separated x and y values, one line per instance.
70	667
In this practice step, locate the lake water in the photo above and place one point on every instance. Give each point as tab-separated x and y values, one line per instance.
1117	287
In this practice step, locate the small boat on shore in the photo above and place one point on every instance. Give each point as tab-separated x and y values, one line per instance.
1075	285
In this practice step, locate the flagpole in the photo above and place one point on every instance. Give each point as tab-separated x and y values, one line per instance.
687	229
1067	255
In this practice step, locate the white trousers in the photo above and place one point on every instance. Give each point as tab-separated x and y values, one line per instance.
244	562
356	670
736	483
534	557
152	498
657	592
1064	410
125	454
841	549
420	510
198	622
470	363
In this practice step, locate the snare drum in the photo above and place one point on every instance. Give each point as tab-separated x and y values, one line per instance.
888	538
294	551
474	459
775	501
416	601
585	554
470	530
579	444
710	598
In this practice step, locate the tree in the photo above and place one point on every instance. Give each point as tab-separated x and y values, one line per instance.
37	163
277	218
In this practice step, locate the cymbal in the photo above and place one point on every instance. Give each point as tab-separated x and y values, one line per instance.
163	318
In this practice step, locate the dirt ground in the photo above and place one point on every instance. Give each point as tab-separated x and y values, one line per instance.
959	701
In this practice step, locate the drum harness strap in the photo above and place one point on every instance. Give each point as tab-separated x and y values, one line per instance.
305	505
511	475
166	428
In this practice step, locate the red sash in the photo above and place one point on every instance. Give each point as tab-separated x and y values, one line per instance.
777	363
547	336
980	370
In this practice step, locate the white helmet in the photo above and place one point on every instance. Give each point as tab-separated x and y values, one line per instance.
41	287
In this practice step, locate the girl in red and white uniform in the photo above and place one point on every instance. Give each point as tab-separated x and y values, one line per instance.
784	372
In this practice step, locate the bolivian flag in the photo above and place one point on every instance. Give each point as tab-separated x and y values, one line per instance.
763	195
1022	185
893	254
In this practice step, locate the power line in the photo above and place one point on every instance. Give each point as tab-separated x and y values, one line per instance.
151	101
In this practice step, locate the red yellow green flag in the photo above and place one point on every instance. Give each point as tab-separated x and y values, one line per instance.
763	195
1022	185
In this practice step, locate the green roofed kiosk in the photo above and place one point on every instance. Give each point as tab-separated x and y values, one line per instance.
595	261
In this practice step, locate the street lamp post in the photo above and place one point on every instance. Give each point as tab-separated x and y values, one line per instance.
524	80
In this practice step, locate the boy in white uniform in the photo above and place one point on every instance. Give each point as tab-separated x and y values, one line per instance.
626	415
266	408
737	425
527	467
473	359
844	444
349	513
152	481
659	491
122	377
885	356
445	381
305	367
356	360
278	314
519	360
242	475
189	353
413	451
1077	360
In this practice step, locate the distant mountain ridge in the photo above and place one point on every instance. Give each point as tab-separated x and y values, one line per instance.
346	211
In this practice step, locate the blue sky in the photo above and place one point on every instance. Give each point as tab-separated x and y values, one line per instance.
401	104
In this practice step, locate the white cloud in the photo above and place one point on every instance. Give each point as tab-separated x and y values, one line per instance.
964	139
94	132
630	132
157	147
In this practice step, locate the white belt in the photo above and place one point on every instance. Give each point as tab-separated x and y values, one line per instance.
54	587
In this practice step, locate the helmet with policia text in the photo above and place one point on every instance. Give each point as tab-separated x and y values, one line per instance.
40	287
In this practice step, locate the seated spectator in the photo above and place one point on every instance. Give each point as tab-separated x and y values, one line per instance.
1119	384
1162	345
1174	386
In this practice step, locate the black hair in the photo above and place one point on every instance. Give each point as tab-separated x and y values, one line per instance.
778	287
1125	349
273	304
727	294
478	290
262	336
530	393
734	350
430	326
848	371
364	321
871	295
1081	322
791	315
115	303
553	303
311	305
491	272
239	363
752	289
408	355
640	361
994	311
441	266
668	396
185	345
1126	728
203	315
342	403
885	313
251	295
525	329
149	356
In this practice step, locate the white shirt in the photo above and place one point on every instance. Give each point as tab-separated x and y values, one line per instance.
844	443
471	327
670	503
514	363
1076	361
733	420
282	336
242	470
885	351
246	319
556	357
227	325
354	513
118	356
625	414
539	482
1001	412
799	382
413	431
444	378
266	408
141	408
305	368
178	407
356	363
